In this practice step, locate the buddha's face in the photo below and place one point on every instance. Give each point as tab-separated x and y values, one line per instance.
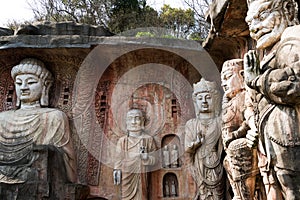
204	102
266	23
28	88
232	82
134	121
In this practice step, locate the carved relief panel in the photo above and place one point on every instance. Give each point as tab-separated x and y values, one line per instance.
154	79
123	86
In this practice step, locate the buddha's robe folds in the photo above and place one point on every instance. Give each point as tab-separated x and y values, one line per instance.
206	166
21	130
134	170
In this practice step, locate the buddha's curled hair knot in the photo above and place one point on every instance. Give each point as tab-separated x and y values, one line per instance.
32	66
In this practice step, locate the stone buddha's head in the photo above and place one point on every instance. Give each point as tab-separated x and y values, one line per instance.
206	97
135	121
32	82
232	77
267	19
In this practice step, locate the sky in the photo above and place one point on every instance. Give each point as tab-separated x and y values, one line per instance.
20	11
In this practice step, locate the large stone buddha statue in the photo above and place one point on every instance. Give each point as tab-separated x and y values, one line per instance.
31	125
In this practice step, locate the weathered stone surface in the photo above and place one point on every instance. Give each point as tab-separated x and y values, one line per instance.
229	30
47	181
76	72
160	100
6	31
62	28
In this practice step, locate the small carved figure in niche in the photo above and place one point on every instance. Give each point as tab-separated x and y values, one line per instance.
166	157
135	151
174	156
273	24
240	161
32	125
167	189
204	144
173	189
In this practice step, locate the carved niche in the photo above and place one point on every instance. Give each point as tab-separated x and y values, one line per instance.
170	185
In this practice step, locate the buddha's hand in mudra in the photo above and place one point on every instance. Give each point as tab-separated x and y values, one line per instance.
143	153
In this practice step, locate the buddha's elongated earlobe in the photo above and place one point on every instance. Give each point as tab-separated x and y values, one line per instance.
45	93
18	102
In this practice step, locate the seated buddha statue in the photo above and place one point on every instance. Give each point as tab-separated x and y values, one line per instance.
31	125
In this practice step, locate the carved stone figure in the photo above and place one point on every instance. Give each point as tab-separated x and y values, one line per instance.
31	124
276	82
203	142
167	189
240	161
174	156
166	157
37	159
136	152
173	189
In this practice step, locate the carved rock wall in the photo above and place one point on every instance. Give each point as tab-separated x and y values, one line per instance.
166	68
229	30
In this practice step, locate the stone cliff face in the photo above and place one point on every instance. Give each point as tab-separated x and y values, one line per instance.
66	49
229	34
60	28
93	86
